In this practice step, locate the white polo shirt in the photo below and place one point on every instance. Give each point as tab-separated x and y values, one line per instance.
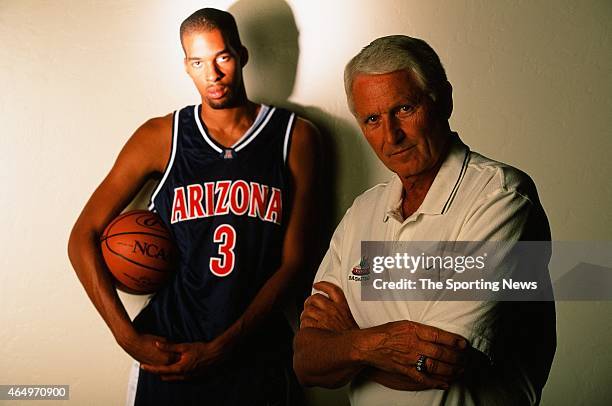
472	198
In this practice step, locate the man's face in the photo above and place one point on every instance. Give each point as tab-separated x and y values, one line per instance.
214	66
399	121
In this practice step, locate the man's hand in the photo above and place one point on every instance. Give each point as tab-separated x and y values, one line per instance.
331	313
397	381
391	350
189	359
396	347
142	348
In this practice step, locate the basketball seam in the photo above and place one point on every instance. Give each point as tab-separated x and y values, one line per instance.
131	261
136	233
112	223
122	216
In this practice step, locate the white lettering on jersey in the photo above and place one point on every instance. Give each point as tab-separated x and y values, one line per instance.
224	197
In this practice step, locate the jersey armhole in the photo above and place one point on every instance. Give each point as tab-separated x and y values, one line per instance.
170	163
287	141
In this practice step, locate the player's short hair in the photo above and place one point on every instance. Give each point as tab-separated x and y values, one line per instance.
208	19
393	53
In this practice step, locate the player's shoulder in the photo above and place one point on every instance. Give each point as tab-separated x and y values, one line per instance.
304	139
157	126
151	143
154	133
301	126
304	128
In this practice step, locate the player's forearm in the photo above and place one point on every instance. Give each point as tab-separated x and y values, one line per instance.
95	278
326	358
270	298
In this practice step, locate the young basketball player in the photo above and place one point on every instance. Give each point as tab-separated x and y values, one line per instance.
235	191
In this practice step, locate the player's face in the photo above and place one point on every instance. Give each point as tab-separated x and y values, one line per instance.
399	121
215	68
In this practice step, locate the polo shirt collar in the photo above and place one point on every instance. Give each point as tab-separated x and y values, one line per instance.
442	190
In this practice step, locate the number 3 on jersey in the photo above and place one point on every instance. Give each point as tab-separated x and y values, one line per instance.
225	236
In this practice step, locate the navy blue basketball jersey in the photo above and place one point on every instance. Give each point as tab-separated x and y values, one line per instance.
226	209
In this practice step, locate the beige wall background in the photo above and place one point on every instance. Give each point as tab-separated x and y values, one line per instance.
532	84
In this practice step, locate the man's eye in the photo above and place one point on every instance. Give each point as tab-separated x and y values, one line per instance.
406	109
196	64
223	58
373	119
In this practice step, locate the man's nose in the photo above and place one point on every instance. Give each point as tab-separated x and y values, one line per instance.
393	131
213	73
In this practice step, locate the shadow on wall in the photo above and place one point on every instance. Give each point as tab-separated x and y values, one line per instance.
269	31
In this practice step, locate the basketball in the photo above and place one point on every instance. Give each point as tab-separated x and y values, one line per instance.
138	251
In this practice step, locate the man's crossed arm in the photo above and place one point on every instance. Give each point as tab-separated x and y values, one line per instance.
330	349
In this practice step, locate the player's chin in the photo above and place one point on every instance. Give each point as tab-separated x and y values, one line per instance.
224	102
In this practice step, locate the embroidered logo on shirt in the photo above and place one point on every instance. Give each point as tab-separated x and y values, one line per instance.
360	272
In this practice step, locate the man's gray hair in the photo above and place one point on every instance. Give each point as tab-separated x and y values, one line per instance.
393	53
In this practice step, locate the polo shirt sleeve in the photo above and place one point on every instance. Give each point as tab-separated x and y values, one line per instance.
519	338
498	216
330	267
508	209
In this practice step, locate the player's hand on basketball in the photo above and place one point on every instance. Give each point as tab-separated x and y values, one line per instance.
397	346
142	348
191	359
327	313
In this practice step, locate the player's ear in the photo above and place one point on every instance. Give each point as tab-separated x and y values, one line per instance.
244	56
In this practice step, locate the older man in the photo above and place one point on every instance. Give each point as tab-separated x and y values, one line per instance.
423	352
